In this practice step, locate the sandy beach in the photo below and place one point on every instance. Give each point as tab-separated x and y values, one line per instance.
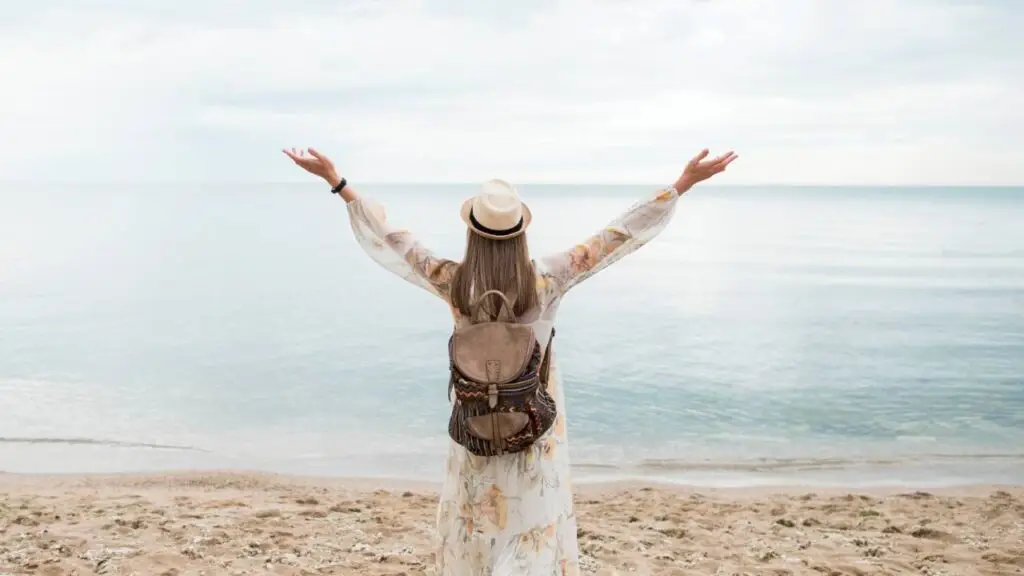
237	523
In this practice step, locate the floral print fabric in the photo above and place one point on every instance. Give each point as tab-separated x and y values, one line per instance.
511	515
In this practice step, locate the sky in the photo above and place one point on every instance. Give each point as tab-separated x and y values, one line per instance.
577	91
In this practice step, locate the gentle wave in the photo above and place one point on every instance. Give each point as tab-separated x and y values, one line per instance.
96	442
791	464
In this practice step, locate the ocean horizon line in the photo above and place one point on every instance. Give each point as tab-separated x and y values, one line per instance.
566	183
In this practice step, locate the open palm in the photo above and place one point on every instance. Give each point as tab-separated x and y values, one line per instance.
699	168
313	162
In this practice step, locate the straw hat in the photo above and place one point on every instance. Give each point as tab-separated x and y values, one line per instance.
496	212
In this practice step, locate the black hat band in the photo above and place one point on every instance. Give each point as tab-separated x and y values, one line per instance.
507	232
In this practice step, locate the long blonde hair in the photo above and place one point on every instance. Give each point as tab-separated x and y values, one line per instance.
503	265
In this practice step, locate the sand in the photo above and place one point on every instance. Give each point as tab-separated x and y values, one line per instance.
235	523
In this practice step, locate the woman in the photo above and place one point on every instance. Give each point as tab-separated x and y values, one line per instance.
510	514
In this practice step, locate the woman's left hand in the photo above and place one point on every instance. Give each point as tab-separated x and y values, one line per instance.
315	163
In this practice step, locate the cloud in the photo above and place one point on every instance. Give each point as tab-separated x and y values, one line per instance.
878	91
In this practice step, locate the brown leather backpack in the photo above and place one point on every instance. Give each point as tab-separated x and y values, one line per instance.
499	376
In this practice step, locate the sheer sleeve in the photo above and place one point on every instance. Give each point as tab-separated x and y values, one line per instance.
398	250
638	226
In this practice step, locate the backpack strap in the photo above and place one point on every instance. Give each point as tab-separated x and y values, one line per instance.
545	364
506	312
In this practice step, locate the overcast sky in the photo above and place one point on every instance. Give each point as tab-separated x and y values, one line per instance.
807	91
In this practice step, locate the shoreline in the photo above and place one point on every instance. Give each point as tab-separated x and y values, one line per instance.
244	522
52	481
860	471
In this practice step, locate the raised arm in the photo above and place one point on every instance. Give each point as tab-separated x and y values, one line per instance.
393	248
397	249
636	227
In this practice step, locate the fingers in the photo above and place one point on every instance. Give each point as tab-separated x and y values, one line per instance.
701	169
294	153
719	163
299	156
699	157
723	159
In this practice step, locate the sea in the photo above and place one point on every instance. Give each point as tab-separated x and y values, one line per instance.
819	336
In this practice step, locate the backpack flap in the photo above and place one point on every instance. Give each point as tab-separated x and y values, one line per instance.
496	426
492	353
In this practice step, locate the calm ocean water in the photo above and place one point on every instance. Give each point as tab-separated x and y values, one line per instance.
770	335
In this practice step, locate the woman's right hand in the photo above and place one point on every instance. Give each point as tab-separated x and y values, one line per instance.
698	169
315	163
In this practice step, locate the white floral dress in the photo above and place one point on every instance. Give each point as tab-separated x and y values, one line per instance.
512	514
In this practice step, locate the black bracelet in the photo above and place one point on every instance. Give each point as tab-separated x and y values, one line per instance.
341	186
